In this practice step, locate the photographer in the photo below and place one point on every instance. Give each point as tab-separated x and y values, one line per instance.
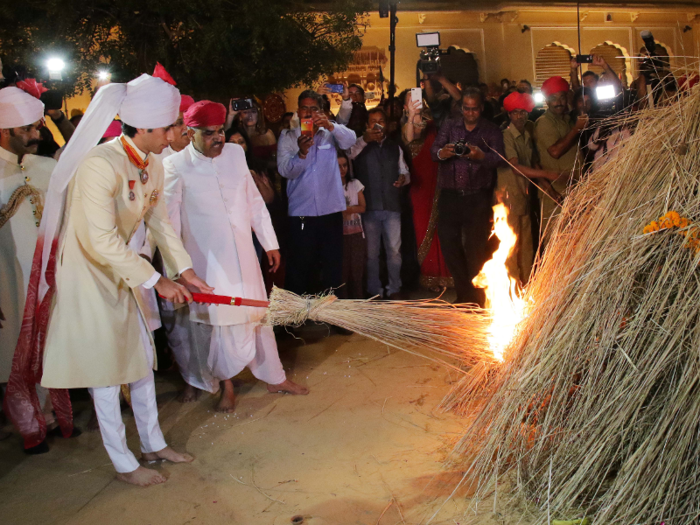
353	112
469	149
590	79
381	168
442	101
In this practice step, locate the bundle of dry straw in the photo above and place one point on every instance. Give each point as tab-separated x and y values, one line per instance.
420	327
596	410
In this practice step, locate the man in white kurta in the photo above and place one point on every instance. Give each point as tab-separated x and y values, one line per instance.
97	336
215	206
24	179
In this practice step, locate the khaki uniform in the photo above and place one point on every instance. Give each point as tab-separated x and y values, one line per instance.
550	128
515	189
94	334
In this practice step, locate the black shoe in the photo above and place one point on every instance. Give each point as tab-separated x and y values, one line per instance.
56	432
41	448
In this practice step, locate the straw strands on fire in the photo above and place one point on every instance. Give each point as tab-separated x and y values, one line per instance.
596	410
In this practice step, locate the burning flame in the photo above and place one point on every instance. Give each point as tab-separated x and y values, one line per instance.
503	300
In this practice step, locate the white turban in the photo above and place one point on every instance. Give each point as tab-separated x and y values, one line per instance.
18	108
146	102
150	103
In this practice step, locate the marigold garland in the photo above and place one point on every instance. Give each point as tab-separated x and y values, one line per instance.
686	228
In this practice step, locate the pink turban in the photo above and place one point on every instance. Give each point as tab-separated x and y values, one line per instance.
554	85
205	113
518	100
185	102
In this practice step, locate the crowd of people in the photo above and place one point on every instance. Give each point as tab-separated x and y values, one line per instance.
102	246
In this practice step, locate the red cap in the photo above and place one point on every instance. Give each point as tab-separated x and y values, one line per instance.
32	87
554	85
518	100
185	102
205	113
161	73
113	130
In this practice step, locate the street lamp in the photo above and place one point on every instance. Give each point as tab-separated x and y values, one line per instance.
55	66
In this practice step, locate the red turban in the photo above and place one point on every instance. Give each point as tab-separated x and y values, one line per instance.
518	100
32	87
161	73
205	113
185	102
554	85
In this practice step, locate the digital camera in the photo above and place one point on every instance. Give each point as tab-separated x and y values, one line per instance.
461	149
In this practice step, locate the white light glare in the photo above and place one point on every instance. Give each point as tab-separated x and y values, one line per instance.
539	98
605	92
55	64
103	75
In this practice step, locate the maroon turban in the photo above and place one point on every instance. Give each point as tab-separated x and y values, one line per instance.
205	113
554	85
518	100
185	102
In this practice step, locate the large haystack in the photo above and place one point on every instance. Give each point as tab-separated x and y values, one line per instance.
598	404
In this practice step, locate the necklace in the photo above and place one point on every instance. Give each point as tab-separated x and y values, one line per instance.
136	160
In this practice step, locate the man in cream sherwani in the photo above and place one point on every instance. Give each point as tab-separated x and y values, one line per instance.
97	336
24	179
214	204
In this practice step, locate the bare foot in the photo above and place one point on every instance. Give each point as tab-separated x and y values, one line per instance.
168	454
189	394
142	476
93	425
227	402
288	387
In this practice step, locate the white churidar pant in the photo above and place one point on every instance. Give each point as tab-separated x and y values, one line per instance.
143	403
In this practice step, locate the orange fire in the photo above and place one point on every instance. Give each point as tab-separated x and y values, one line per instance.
503	300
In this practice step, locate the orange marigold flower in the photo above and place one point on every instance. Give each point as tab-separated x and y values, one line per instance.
675	218
683	222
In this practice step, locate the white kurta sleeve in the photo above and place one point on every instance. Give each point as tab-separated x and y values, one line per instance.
173	196
167	237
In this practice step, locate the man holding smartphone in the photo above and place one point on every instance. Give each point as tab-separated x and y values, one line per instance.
381	168
306	156
469	149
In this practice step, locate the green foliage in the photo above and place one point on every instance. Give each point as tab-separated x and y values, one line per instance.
215	49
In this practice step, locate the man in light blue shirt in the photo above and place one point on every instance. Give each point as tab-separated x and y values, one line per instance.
316	198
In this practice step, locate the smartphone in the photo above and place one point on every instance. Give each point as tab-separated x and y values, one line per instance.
417	94
241	104
307	127
378	127
52	99
584	59
335	88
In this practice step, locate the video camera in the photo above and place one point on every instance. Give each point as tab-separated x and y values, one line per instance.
653	67
430	56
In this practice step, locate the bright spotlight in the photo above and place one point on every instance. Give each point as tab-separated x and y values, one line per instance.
605	92
539	99
103	75
55	66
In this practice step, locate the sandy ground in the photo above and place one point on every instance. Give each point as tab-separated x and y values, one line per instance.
367	443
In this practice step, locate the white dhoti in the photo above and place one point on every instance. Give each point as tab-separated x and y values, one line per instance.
143	403
207	354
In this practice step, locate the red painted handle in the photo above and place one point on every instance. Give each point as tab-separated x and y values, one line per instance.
231	301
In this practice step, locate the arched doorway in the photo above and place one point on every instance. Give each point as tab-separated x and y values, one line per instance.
552	60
